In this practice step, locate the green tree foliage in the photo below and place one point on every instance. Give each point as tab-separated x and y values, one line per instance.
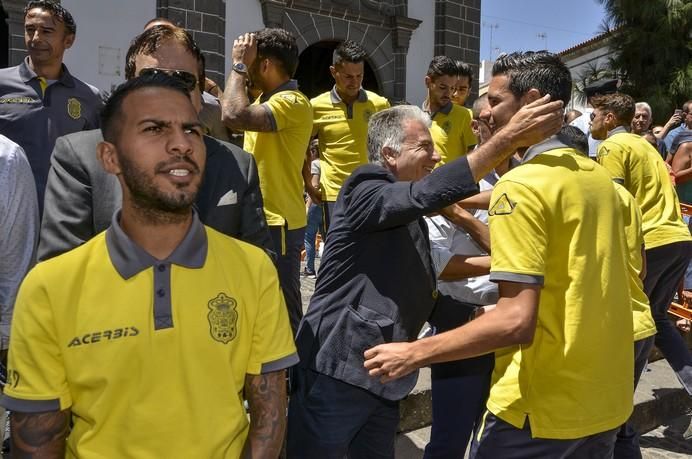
652	50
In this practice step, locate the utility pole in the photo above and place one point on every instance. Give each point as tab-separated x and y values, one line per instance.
543	36
491	27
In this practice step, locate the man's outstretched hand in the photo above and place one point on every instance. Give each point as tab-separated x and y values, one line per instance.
390	361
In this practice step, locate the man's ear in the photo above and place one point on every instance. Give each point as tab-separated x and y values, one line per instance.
475	128
107	154
389	156
69	40
427	81
332	70
530	96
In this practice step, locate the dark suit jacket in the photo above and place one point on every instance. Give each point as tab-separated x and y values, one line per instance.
376	281
81	197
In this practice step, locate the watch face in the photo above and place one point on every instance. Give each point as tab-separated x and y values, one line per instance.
240	67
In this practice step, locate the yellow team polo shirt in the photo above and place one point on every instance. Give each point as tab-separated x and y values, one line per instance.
280	154
149	356
451	132
644	325
342	131
637	166
555	221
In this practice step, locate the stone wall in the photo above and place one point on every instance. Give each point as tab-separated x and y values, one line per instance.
206	19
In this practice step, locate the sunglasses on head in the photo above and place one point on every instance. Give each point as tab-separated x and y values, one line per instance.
188	79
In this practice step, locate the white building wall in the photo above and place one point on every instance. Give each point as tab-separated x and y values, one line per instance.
241	16
420	51
104	32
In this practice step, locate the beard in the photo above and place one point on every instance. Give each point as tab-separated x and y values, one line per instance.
151	202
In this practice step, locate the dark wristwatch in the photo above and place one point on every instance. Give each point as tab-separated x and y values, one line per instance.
240	68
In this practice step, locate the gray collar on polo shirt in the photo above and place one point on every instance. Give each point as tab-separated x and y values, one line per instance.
551	143
26	74
334	95
290	85
446	109
129	259
617	130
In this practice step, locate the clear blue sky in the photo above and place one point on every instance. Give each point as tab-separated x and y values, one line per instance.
564	23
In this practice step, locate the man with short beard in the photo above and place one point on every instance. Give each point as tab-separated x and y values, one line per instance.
140	342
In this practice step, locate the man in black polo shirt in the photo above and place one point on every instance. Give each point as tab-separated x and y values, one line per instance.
39	99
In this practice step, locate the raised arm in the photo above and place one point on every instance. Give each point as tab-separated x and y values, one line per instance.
236	111
39	435
267	399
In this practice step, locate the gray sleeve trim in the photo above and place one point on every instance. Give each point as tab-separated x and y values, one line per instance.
280	364
29	406
272	120
497	276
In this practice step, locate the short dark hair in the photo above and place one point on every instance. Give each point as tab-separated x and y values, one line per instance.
56	10
541	70
619	104
349	51
464	70
162	20
442	65
111	114
149	41
574	137
280	46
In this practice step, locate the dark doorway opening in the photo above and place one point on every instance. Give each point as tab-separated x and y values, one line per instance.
313	70
4	39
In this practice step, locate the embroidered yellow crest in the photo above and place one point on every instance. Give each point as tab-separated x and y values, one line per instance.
503	206
223	318
74	108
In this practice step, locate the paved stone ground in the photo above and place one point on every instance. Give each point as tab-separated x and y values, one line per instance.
665	442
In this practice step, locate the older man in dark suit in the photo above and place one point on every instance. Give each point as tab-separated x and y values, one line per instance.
81	197
376	281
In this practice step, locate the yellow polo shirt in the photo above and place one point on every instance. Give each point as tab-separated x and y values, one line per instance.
342	131
644	325
149	356
451	132
280	154
555	221
637	166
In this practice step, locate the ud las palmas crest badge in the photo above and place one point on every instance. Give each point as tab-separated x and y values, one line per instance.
74	108
223	318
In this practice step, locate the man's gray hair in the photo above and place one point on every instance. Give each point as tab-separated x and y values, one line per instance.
386	129
644	106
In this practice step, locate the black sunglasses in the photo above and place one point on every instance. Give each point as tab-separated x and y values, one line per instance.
188	79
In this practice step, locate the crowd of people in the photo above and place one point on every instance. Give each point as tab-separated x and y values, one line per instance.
150	266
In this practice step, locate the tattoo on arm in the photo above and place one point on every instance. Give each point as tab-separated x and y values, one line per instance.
266	396
39	435
237	113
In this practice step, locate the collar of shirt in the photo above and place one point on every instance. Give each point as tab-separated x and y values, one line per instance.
290	85
617	130
445	109
27	74
129	259
551	143
362	96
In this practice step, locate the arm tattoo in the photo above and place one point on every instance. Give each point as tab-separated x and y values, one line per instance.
238	114
266	396
39	435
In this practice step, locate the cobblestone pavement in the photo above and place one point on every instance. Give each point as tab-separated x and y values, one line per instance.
665	442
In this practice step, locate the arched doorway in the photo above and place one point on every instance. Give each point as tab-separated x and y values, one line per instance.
313	70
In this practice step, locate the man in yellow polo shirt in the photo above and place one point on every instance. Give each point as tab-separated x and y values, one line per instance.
637	166
277	130
147	338
340	122
462	89
564	294
451	123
